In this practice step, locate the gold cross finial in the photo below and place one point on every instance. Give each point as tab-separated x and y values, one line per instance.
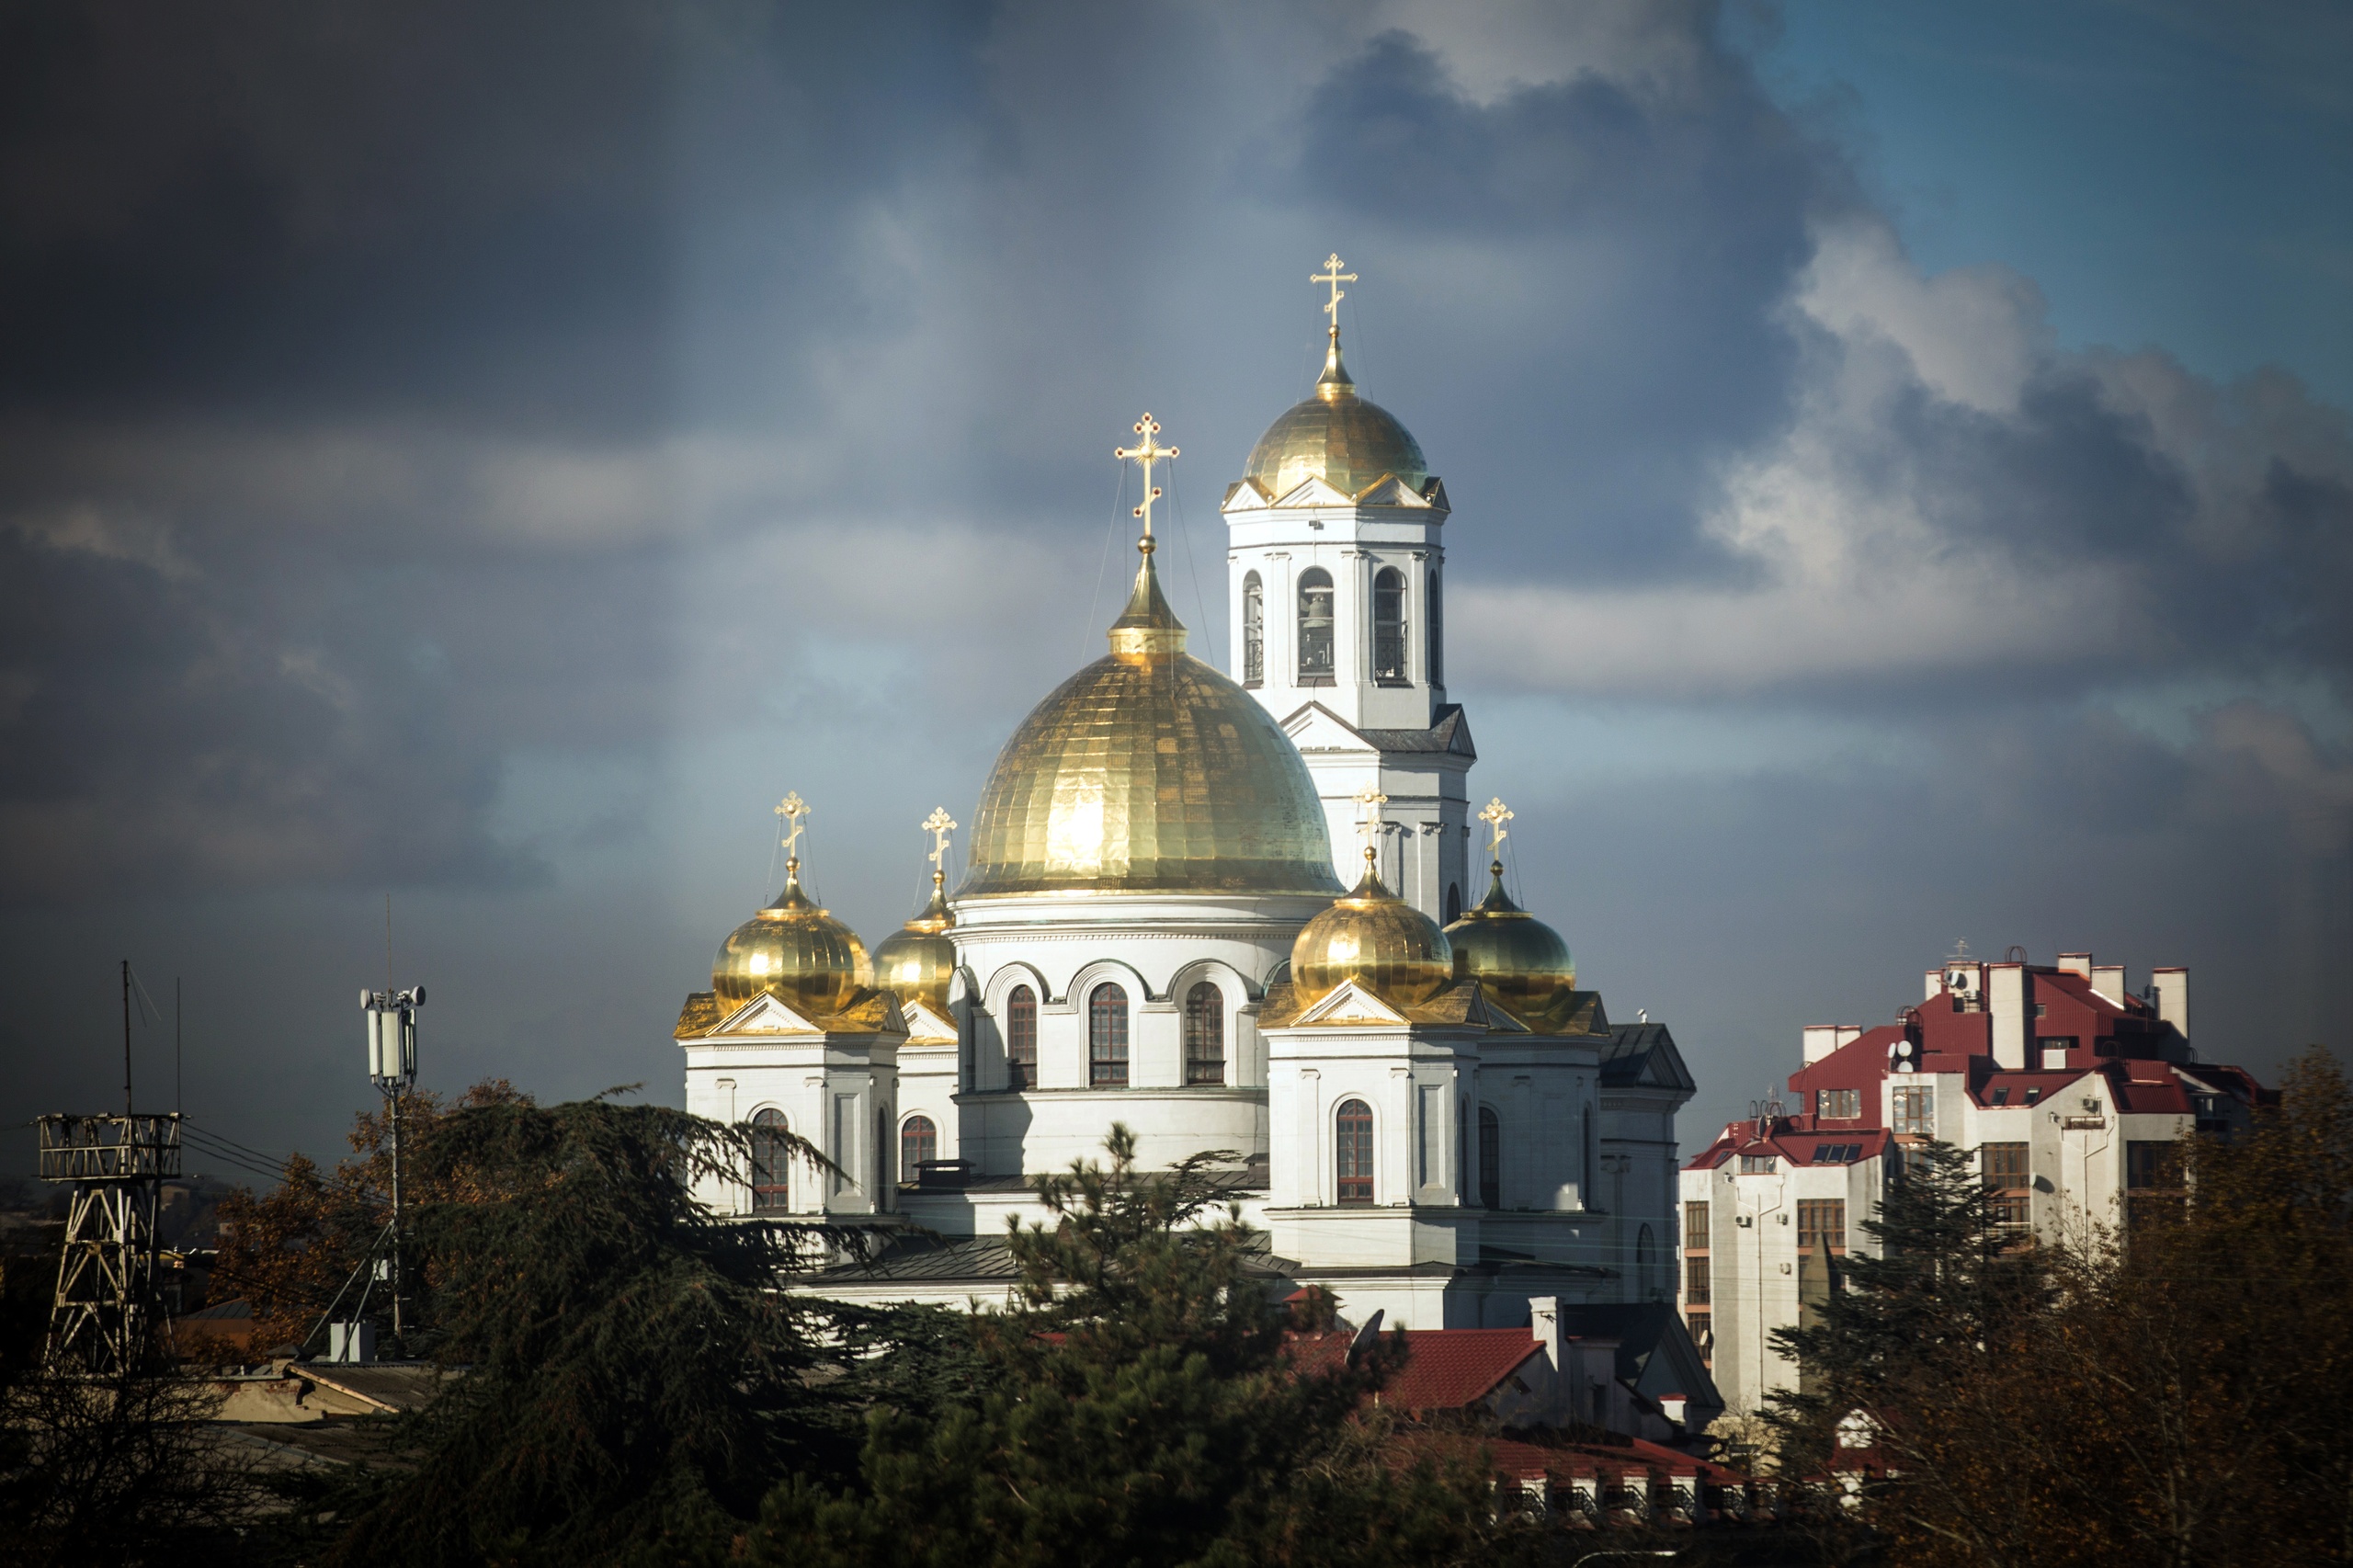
792	808
1370	799
939	824
1334	277
1149	453
1495	816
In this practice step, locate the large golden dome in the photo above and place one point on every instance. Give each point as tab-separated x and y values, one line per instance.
1338	438
1522	962
919	959
1149	771
1377	939
795	952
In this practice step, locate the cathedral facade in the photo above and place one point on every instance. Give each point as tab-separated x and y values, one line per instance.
1234	911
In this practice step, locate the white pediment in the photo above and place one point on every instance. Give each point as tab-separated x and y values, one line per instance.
1393	491
923	1024
1316	492
1244	496
1351	1003
1316	728
765	1015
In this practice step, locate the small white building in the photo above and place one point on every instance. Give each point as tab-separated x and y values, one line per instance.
2069	1087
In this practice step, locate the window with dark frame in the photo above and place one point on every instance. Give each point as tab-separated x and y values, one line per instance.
1758	1165
918	1146
1205	1034
1021	1038
1389	628
771	1164
1821	1222
1253	632
1840	1105
1315	661
1490	1159
1107	1036
2006	1170
1915	1109
1437	641
1694	1224
1352	1151
1695	1282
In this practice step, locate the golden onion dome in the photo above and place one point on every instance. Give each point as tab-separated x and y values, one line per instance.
1377	939
1521	962
918	960
795	952
1149	771
1338	438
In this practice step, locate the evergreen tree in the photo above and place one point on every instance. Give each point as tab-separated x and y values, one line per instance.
633	1381
1941	1280
1141	1409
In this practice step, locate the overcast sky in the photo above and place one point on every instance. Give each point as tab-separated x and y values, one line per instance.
1903	485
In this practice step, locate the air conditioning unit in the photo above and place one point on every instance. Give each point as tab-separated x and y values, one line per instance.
1743	1222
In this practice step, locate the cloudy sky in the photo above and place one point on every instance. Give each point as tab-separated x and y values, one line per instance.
484	454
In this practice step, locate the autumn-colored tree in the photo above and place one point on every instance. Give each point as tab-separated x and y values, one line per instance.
291	1250
2187	1399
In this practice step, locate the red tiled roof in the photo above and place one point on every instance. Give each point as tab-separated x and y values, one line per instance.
1446	1369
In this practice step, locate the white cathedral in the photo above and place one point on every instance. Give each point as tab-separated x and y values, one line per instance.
1425	1113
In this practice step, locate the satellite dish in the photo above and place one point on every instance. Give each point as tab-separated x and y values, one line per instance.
1366	1335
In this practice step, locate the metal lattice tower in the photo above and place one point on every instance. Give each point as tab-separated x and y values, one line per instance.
104	1313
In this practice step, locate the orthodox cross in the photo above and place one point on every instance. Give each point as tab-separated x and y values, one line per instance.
1151	452
792	808
939	825
1334	277
1495	816
1371	800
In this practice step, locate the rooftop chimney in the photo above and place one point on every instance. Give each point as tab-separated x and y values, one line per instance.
2107	979
1544	1318
2076	964
2005	999
2172	987
1821	1039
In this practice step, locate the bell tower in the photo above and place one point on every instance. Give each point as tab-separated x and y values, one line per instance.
1336	567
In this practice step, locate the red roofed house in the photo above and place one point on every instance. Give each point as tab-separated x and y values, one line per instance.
2069	1087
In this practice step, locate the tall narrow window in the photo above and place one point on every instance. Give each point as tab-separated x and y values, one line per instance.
1352	1151
1694	1224
1205	1034
1253	632
1437	637
1021	1038
1643	1259
1453	903
1389	627
2004	1167
771	1165
918	1146
1106	1037
1315	627
1490	1159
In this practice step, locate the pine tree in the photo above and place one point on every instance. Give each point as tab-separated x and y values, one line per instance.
1141	1410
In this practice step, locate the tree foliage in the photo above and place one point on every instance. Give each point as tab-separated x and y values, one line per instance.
1139	1409
291	1250
634	1381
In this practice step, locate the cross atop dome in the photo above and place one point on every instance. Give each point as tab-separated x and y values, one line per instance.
1150	453
1334	277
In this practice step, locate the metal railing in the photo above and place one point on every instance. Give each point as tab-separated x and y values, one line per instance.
110	1148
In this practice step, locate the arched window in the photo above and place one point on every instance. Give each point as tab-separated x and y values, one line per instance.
771	1165
1021	1038
1453	903
1352	1151
1106	1037
1389	627
918	1146
1490	1159
1253	632
1205	1034
1438	636
1315	627
1643	1261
